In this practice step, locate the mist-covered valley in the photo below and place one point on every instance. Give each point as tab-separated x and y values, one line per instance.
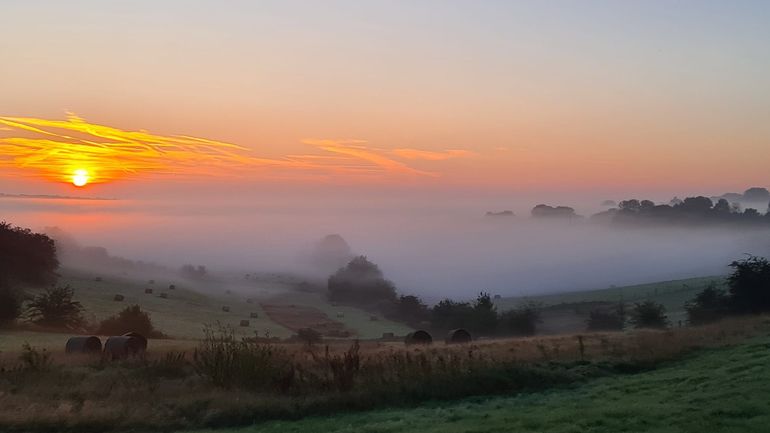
435	250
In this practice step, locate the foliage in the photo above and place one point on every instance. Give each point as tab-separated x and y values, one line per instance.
409	309
521	321
603	320
56	308
35	360
26	256
484	317
130	319
709	305
10	303
545	211
232	363
309	336
749	285
360	282
194	272
649	314
449	314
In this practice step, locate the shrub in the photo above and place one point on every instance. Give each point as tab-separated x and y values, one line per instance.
10	303
521	321
55	308
749	285
649	314
309	336
360	282
34	360
130	319
603	320
709	305
229	363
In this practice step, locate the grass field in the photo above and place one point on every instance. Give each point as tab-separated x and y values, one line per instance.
718	390
672	294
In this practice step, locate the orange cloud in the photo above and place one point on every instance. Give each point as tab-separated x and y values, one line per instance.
58	149
432	156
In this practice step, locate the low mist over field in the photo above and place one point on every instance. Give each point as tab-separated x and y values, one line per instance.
435	250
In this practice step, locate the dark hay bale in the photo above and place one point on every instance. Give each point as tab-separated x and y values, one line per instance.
340	315
227	292
244	323
148	291
172	287
90	344
374	318
457	336
151	282
98	279
249	301
226	309
418	337
118	298
498	297
123	347
164	295
388	335
254	315
139	337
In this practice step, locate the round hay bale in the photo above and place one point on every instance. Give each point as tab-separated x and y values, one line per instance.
90	344
164	295
225	308
418	337
374	318
123	347
388	335
457	336
148	291
98	279
249	301
244	323
254	315
172	287
118	298
139	337
151	282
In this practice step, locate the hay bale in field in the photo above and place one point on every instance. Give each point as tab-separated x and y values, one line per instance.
457	336
90	344
254	315
225	308
418	337
249	301
227	292
148	291
98	279
139	337
340	315
151	282
164	295
123	347
244	323
118	298
172	287
374	318
388	335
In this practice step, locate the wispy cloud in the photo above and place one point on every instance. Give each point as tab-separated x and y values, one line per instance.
55	149
431	155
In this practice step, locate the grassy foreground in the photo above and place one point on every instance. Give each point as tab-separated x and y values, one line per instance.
716	390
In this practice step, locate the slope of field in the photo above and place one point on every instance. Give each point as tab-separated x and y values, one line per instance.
721	390
672	294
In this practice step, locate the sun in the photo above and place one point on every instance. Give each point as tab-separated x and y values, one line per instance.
80	178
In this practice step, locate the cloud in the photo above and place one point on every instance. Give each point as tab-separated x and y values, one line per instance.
55	149
432	156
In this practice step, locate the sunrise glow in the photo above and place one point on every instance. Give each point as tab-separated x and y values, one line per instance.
80	178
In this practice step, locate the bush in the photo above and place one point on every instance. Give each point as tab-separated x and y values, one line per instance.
521	321
709	305
603	320
130	319
55	308
649	314
10	303
749	285
230	363
309	336
361	282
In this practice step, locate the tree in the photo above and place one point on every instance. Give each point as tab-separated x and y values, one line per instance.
130	319
449	314
756	194
484	317
649	314
410	309
749	285
603	320
709	305
722	206
55	308
194	272
309	336
361	282
545	211
10	303
26	257
521	321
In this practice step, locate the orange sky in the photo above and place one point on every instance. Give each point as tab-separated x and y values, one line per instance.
436	95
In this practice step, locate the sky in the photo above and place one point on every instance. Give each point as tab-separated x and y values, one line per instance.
435	96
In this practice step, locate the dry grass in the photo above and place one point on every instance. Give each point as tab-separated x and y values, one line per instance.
163	391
